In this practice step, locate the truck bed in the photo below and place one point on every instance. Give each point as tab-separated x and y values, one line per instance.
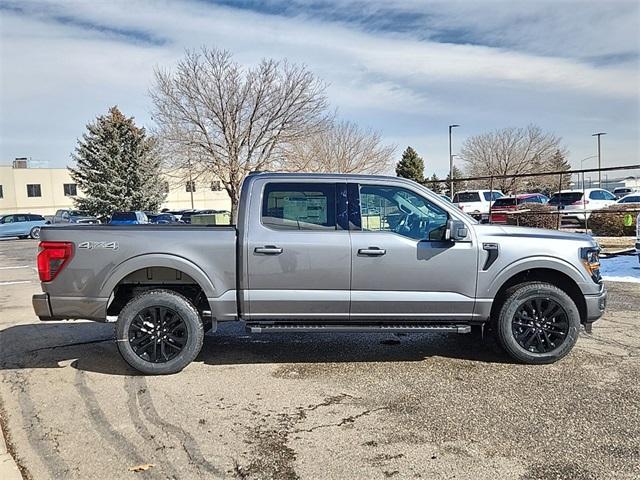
107	256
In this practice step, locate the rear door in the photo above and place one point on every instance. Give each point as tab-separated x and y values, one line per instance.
8	226
402	267
298	251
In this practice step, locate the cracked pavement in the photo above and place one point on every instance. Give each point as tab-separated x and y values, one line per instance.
312	406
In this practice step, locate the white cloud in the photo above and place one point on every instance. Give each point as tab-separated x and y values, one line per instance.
57	75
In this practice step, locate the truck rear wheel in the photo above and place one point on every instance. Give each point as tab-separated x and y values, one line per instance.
538	323
159	332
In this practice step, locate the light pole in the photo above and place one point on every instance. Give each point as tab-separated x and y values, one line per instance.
581	164
599	134
451	163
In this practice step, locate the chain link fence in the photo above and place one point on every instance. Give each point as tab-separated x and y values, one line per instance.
580	200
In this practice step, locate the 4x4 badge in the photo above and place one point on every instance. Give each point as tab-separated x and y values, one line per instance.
96	245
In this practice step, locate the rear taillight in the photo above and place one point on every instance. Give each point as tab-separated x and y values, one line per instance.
52	258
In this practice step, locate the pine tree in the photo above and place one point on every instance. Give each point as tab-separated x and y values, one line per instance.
457	173
116	167
434	184
411	166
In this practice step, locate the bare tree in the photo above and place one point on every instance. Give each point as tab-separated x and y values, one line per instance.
215	116
343	147
511	151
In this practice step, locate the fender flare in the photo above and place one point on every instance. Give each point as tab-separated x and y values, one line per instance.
531	263
157	260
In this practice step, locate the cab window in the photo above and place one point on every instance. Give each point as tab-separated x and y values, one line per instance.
299	206
400	211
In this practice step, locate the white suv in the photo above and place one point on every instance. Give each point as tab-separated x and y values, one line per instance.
578	204
476	202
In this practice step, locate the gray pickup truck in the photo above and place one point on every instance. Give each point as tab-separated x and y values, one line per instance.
323	253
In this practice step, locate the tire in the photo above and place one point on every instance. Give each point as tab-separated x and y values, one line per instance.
538	323
35	233
159	332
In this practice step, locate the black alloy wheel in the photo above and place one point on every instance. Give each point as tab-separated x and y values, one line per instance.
540	325
158	334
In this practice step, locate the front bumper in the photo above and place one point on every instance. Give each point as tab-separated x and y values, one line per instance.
42	307
596	305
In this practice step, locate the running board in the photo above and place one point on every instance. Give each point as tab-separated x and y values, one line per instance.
385	328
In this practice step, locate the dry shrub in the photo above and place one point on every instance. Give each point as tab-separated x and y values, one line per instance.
609	222
538	216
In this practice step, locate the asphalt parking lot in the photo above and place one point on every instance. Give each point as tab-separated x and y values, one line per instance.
315	406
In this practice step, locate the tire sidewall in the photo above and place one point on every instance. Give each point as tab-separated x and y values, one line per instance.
513	303
35	233
173	301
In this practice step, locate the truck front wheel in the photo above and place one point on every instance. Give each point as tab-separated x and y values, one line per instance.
159	332
538	323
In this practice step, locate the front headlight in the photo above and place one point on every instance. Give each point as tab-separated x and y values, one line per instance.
590	257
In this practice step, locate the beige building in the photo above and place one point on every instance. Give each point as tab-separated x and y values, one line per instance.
45	190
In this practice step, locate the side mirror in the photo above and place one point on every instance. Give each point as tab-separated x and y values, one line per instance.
456	230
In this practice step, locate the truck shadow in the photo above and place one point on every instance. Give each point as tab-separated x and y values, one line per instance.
91	347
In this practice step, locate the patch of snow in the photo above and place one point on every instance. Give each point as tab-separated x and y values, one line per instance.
623	268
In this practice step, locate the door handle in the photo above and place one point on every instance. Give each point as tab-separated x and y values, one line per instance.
268	250
372	251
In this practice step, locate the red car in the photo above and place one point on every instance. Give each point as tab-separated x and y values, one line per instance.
503	205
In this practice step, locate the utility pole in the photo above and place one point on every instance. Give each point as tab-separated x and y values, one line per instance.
599	134
451	162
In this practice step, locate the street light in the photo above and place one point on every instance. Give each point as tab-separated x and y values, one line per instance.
451	162
599	134
581	164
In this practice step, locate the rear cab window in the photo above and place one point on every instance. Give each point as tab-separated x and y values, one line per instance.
299	206
506	202
565	198
466	197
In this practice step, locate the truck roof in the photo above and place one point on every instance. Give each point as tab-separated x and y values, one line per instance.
359	176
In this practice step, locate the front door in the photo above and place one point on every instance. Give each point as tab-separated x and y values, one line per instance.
298	251
402	266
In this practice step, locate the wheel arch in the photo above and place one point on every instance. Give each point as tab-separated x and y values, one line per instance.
541	274
141	273
155	261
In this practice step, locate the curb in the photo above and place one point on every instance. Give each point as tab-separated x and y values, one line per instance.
8	468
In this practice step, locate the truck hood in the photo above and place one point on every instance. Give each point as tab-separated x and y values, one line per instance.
525	232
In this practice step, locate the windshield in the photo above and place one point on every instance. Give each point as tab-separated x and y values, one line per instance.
466	197
78	213
565	198
120	216
630	199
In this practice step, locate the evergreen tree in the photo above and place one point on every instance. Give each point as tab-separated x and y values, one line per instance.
411	166
457	173
548	184
434	184
116	167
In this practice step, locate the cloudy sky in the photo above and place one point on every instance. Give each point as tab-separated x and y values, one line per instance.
406	68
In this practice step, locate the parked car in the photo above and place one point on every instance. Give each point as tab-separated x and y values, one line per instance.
73	216
162	218
476	202
503	205
302	259
185	217
631	198
578	204
128	218
21	225
622	191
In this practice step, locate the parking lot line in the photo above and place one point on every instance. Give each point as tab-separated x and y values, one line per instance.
16	283
15	268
